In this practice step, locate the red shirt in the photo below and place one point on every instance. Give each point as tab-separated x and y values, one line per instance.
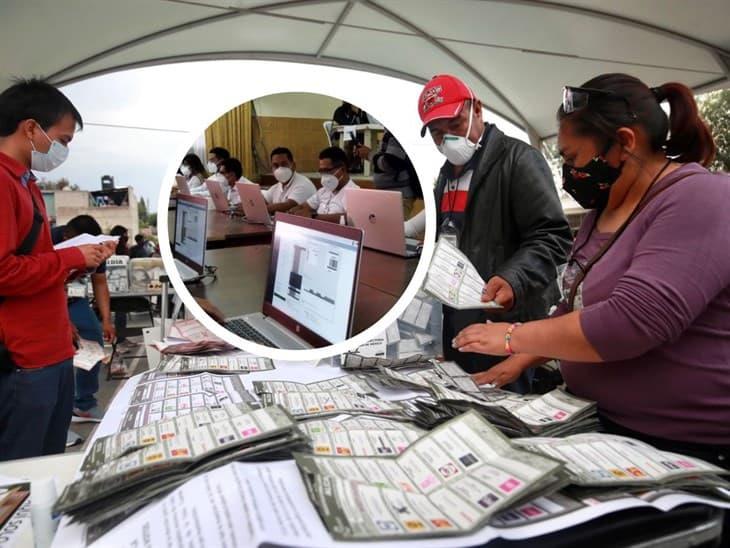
34	323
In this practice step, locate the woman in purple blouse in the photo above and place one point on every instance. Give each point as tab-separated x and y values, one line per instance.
644	324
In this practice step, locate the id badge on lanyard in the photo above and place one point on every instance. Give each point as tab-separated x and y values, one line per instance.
450	232
567	276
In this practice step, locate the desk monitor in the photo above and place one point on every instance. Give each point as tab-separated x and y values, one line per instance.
191	225
313	276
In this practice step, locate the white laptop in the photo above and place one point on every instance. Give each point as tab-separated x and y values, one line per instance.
380	214
220	201
182	185
253	203
191	235
311	287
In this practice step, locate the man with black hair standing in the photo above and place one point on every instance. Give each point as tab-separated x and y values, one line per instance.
83	318
37	122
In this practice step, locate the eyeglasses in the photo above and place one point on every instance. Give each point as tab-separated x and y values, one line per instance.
329	171
575	99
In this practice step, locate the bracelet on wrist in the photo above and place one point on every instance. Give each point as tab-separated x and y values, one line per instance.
508	338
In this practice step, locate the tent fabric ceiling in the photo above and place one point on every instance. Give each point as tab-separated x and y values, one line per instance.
516	54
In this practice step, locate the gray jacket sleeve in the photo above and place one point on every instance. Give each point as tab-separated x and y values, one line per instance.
543	230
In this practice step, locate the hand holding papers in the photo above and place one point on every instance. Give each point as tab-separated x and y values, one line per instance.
453	280
88	354
85	239
191	337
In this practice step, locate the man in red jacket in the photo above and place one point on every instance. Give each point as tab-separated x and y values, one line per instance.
36	343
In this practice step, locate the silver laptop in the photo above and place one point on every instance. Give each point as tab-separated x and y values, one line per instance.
253	204
311	287
191	235
220	201
380	214
182	185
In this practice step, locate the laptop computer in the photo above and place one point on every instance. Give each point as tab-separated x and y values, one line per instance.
380	214
253	204
220	201
182	185
191	236
311	287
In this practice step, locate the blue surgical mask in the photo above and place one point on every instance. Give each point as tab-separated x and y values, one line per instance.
47	161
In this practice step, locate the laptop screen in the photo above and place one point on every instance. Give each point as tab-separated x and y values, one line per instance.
191	225
313	278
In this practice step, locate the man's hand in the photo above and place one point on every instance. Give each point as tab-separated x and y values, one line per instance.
111	247
500	291
362	151
75	337
503	373
110	332
483	338
302	210
94	254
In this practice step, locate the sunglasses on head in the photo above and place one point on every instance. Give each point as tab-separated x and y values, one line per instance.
575	98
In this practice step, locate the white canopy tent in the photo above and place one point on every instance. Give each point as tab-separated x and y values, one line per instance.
516	54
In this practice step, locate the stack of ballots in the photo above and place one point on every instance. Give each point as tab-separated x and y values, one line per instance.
126	471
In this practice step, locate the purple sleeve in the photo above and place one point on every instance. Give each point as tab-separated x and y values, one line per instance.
680	264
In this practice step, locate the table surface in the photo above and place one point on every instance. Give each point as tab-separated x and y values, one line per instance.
242	271
224	231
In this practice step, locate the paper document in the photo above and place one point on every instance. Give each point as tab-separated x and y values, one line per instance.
88	354
85	239
453	280
236	361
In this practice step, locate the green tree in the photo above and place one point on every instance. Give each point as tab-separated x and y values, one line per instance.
715	109
142	212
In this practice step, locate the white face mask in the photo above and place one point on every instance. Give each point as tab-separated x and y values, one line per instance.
283	174
459	149
47	161
212	167
185	170
329	182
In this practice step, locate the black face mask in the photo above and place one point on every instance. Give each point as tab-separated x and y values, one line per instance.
590	185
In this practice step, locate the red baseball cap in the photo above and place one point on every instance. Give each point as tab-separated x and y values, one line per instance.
442	97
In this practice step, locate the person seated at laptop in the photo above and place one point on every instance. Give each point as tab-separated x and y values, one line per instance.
328	203
292	188
232	170
215	156
192	169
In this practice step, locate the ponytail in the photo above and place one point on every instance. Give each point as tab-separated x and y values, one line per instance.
683	136
690	140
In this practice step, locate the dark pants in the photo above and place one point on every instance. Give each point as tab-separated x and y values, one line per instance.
87	382
35	410
120	324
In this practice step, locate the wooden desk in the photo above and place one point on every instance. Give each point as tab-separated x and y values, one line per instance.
241	282
227	231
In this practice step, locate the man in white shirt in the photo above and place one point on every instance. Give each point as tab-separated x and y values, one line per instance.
292	189
329	202
215	156
232	170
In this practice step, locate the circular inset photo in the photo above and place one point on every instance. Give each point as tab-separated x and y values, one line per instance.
288	220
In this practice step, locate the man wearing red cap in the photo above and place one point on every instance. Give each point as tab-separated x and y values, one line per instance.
497	201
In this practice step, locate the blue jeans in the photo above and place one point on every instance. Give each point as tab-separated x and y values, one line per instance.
35	410
87	382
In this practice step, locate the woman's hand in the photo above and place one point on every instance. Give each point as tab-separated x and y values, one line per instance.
503	373
483	338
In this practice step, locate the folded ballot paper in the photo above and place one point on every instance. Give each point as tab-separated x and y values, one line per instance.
85	239
449	482
88	354
235	361
556	413
191	337
453	280
110	490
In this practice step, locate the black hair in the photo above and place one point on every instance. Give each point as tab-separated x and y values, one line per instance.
118	230
83	224
683	135
232	164
221	152
195	164
139	238
282	150
335	154
34	99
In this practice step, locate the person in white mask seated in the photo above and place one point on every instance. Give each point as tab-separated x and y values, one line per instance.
192	169
329	202
291	189
232	171
215	156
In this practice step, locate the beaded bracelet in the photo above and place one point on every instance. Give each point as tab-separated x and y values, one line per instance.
508	338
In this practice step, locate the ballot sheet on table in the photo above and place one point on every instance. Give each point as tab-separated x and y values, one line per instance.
235	361
448	482
454	280
159	396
